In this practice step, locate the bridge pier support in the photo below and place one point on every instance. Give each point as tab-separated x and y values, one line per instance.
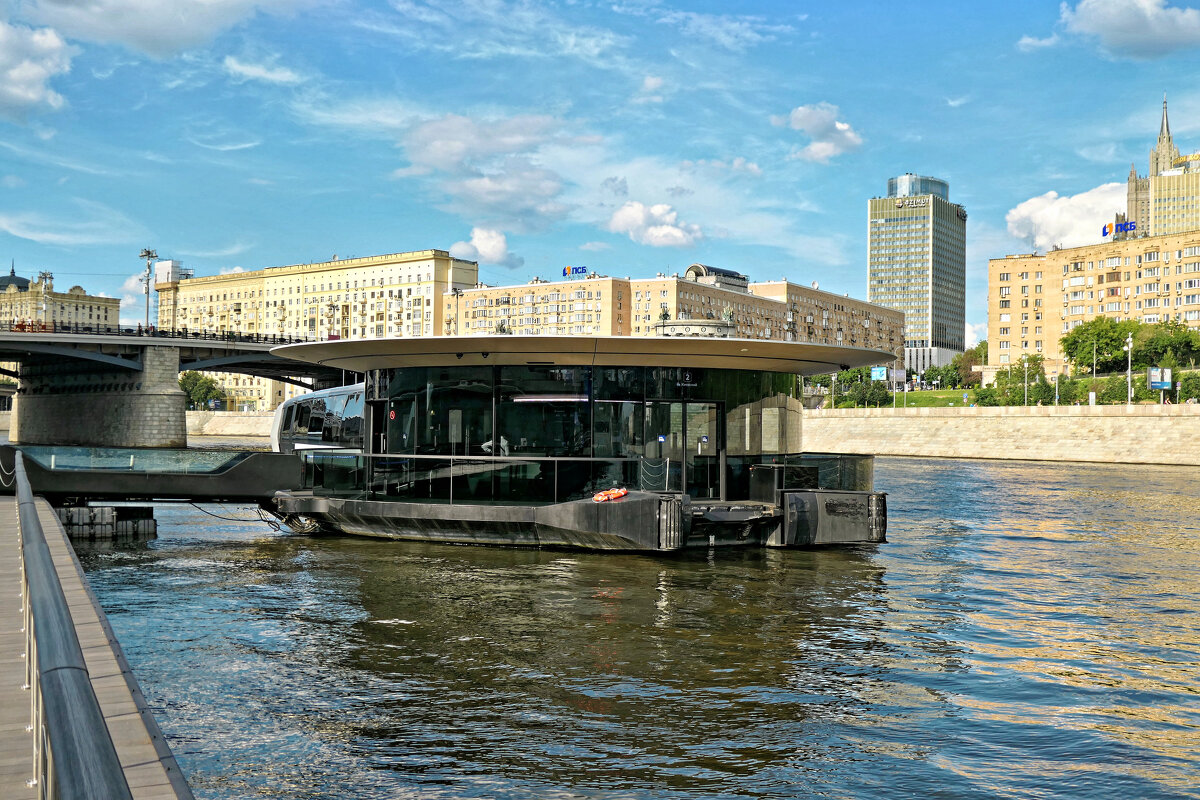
57	403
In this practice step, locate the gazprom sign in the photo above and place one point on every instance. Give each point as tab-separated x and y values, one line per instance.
1118	227
573	272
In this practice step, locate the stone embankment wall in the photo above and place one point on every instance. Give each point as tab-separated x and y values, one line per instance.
1138	434
229	423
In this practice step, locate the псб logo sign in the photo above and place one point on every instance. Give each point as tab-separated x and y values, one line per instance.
1118	227
569	271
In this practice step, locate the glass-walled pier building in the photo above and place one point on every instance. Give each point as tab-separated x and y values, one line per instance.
507	440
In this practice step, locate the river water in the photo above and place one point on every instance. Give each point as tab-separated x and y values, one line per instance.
1029	631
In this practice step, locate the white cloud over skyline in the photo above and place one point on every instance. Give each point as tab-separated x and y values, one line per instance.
487	247
657	225
830	136
1051	219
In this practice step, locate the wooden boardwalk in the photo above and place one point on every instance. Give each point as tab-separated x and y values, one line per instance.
149	767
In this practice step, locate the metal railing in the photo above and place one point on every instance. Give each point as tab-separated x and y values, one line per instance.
73	752
158	333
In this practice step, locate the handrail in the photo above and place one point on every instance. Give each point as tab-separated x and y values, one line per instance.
74	755
76	328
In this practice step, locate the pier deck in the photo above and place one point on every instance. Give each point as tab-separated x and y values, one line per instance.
149	767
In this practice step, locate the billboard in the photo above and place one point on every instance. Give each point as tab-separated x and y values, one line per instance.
879	373
1159	377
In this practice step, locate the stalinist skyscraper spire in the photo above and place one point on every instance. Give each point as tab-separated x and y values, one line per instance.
1162	157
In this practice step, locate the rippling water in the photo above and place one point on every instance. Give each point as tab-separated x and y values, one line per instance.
1030	631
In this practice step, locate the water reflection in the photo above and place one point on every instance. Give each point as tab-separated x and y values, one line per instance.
1029	631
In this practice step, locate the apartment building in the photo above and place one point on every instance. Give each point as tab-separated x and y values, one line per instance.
1034	299
596	305
360	298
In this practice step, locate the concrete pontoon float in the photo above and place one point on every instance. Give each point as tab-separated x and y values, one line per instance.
510	440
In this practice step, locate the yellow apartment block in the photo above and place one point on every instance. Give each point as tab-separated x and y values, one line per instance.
355	298
596	305
1035	299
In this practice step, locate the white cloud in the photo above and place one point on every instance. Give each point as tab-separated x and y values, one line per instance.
93	224
1050	219
955	102
481	30
731	32
231	270
154	27
487	246
235	249
830	136
595	247
657	225
13	182
976	333
737	164
379	117
243	70
1134	28
29	59
1028	44
649	91
225	147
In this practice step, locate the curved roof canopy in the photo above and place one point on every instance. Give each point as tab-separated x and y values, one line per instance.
801	358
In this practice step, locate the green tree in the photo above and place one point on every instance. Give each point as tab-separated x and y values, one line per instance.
1011	383
1191	386
1107	335
1167	339
199	389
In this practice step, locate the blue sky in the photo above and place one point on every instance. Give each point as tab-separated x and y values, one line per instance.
631	137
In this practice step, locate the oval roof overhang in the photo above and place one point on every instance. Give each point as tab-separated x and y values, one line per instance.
802	358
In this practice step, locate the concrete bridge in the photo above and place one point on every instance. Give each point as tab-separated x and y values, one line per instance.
119	387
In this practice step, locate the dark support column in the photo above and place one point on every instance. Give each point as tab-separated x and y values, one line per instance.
114	408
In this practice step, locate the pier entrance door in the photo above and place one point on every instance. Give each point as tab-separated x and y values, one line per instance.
702	423
684	448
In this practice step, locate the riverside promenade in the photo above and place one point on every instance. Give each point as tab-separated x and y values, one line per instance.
146	761
1134	434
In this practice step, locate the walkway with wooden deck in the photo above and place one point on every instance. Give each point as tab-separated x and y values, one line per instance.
149	767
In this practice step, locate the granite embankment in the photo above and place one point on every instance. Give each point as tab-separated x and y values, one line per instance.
1138	434
229	423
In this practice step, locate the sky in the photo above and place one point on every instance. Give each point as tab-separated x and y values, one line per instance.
632	137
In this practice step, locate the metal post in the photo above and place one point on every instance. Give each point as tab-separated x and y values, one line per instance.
1129	369
1025	381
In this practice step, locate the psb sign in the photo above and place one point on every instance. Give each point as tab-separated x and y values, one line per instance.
573	272
1118	227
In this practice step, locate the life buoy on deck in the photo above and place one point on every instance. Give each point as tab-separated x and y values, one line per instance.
609	494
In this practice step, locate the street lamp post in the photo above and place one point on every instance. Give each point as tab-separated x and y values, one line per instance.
1056	388
149	255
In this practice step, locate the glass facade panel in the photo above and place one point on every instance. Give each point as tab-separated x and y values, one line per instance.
581	429
544	411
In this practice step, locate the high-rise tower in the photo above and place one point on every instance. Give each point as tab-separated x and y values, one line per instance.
916	263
